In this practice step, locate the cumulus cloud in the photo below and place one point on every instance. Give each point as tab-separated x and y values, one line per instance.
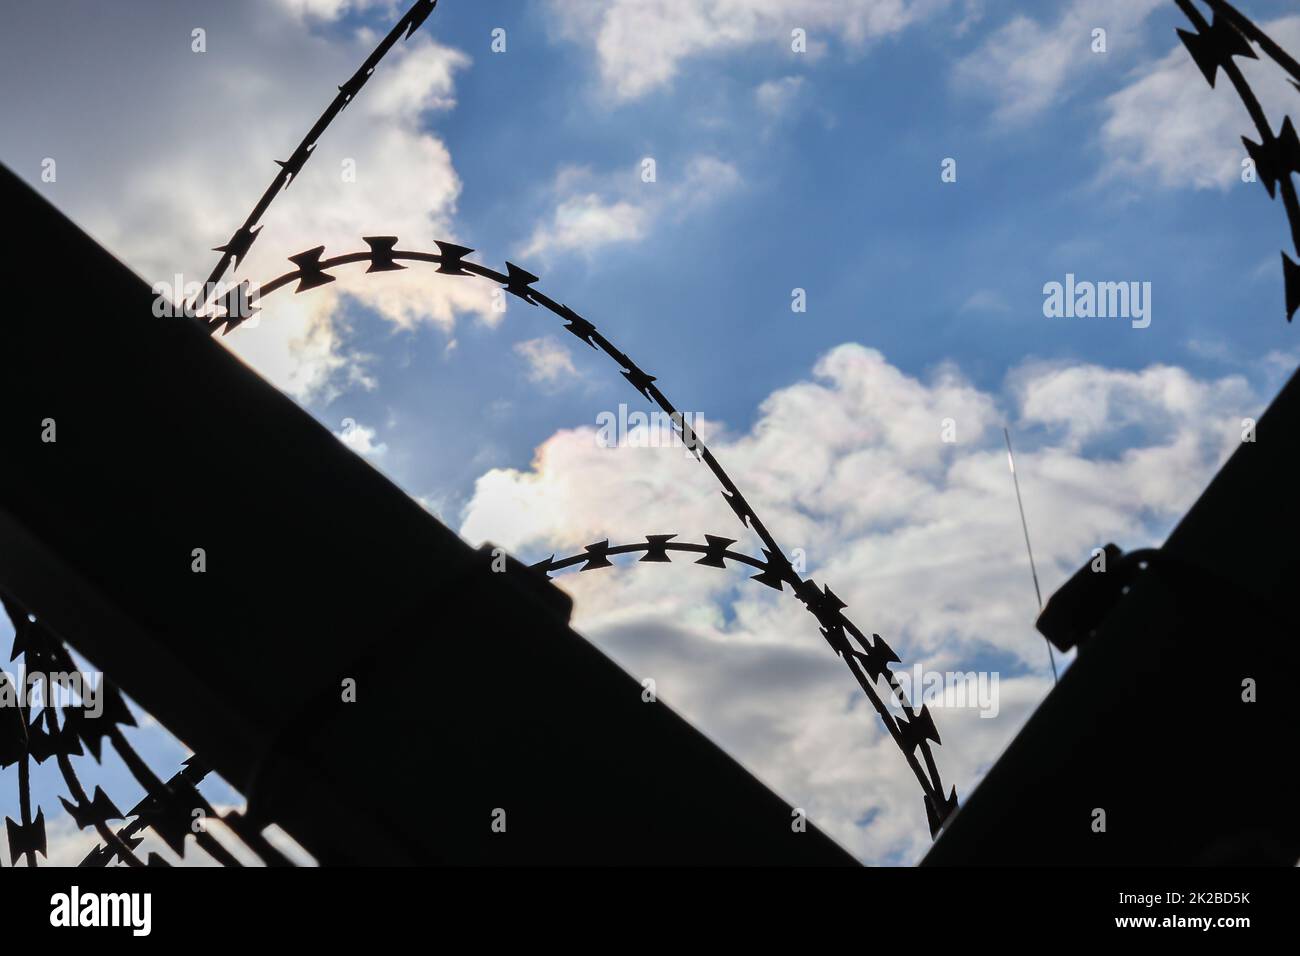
919	536
594	210
330	9
1027	65
586	221
549	363
212	132
1169	127
404	185
641	46
985	300
360	439
776	97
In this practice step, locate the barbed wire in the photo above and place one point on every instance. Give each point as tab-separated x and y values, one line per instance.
168	808
238	245
874	657
63	743
657	547
912	734
1275	157
27	835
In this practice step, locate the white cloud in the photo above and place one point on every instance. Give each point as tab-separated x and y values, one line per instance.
330	9
919	537
592	211
405	185
549	363
776	97
299	347
985	300
586	221
1027	66
1170	127
360	439
641	46
163	182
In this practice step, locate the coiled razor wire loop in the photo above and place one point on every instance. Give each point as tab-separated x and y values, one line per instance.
869	662
1276	157
169	808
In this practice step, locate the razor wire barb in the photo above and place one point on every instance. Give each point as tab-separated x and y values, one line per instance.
1276	157
868	664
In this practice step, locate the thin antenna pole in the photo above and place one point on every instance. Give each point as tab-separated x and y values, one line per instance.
1011	463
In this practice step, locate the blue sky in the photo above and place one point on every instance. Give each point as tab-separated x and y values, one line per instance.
775	170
